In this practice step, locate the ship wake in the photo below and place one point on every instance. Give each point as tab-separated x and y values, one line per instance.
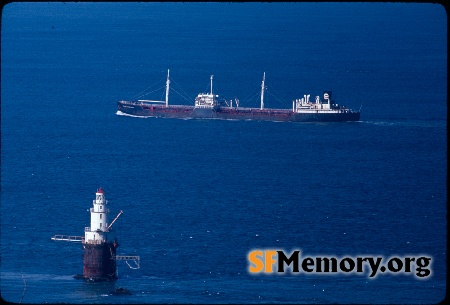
133	116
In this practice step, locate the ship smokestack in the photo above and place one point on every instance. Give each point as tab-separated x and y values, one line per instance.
327	96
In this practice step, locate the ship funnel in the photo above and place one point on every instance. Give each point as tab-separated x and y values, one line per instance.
327	96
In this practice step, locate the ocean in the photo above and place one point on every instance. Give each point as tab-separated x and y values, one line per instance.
199	195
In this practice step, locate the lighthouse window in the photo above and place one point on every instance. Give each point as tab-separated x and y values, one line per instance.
100	216
101	207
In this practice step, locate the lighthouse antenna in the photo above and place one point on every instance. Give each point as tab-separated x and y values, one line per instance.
167	88
262	91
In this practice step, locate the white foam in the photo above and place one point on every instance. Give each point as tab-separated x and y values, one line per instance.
134	116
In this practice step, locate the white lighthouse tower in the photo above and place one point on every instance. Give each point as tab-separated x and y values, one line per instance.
97	232
99	257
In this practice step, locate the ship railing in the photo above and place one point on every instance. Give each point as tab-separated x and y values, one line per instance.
68	238
205	106
152	101
127	102
322	110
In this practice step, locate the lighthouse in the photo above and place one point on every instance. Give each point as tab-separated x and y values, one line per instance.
99	251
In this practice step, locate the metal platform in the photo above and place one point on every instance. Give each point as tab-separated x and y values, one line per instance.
127	258
68	238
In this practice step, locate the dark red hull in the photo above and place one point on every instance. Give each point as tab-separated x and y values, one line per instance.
228	113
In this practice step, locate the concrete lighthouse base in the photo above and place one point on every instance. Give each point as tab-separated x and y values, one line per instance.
100	261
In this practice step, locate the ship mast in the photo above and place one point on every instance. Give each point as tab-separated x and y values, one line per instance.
262	91
211	78
167	88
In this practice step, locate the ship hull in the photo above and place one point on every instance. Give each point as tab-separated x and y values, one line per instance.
283	115
228	113
99	262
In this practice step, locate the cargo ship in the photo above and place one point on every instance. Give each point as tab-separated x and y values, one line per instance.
208	106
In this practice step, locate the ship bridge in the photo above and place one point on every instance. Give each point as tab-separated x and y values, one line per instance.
206	100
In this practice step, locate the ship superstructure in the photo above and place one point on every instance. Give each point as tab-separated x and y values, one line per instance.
206	105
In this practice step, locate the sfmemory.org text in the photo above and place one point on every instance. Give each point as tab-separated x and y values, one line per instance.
275	261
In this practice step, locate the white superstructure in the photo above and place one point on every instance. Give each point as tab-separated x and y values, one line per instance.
205	100
304	105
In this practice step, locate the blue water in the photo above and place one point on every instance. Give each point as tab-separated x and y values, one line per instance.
199	195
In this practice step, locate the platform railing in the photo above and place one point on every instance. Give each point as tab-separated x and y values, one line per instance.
68	238
127	257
